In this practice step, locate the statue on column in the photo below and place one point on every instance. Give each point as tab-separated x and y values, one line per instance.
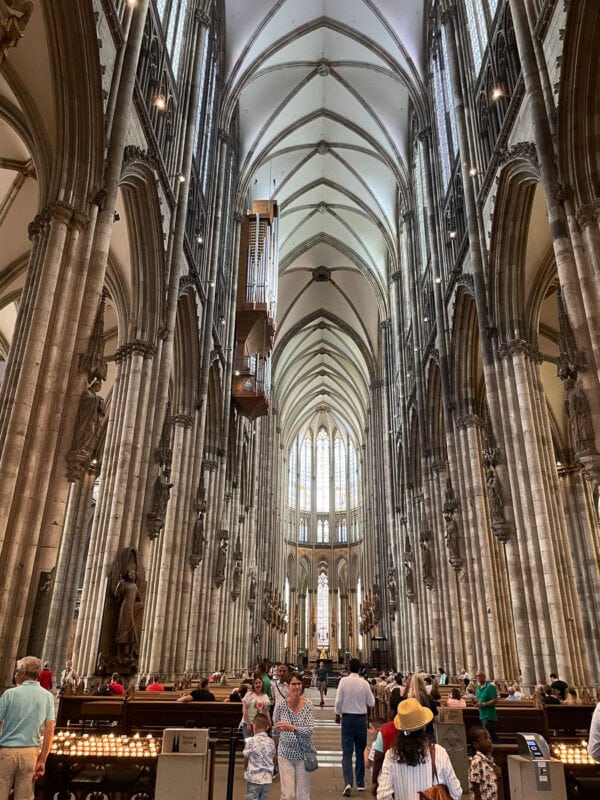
162	492
578	411
252	590
426	564
236	580
409	584
392	590
90	414
221	559
128	588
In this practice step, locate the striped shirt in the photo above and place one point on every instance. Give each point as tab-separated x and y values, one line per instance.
401	782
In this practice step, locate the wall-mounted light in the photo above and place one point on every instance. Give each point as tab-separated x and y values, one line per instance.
473	171
199	238
452	234
497	92
160	102
438	279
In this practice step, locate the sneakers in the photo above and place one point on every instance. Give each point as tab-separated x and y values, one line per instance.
347	791
360	788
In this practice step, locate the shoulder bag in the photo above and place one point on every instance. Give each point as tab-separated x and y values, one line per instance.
439	791
311	762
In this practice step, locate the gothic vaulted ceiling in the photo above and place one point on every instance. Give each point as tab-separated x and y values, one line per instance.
322	89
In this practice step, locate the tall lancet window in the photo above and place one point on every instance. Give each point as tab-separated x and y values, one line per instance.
353	475
322	610
339	455
323	470
293	476
305	471
478	30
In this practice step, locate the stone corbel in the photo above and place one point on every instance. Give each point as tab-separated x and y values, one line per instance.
14	16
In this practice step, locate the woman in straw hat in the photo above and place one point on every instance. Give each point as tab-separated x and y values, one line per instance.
407	767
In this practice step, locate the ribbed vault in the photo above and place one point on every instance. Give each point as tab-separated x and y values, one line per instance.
322	90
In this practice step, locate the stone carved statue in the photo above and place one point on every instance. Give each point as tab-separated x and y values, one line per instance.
426	562
128	589
221	559
90	412
409	582
162	492
236	581
452	542
578	411
392	586
494	493
89	417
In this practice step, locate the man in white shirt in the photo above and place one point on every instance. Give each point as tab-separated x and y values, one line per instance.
594	740
280	688
353	700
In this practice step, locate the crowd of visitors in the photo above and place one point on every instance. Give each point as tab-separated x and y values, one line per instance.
277	721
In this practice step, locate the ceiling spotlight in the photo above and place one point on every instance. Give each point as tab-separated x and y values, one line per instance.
160	102
199	238
473	171
452	234
438	279
181	178
425	319
497	92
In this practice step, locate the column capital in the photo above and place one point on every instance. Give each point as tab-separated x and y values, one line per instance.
185	420
136	347
469	421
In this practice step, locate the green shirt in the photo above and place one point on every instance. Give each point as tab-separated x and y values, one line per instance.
484	694
267	686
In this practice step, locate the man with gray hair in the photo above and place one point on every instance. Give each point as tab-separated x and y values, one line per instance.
23	711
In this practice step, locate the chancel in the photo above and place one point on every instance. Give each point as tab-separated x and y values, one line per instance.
300	337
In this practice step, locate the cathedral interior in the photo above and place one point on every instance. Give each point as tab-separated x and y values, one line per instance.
300	335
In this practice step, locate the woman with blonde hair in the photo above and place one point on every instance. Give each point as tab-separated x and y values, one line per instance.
417	690
413	764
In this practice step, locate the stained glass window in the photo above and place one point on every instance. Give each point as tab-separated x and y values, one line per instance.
293	476
203	76
339	453
305	471
342	530
440	119
286	599
208	126
180	27
323	470
451	114
421	205
161	6
303	530
353	475
477	29
322	611
322	531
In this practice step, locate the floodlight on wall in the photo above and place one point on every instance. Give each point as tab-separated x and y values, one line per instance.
452	233
160	102
438	279
473	171
497	92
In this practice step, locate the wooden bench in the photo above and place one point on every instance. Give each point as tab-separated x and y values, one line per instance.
148	714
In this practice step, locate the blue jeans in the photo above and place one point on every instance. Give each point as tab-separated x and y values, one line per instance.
354	739
257	791
490	726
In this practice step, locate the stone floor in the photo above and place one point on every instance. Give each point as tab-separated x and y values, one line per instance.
327	781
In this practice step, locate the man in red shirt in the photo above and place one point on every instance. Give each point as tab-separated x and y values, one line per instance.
45	677
154	685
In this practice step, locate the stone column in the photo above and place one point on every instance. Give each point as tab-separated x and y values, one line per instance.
119	511
574	284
